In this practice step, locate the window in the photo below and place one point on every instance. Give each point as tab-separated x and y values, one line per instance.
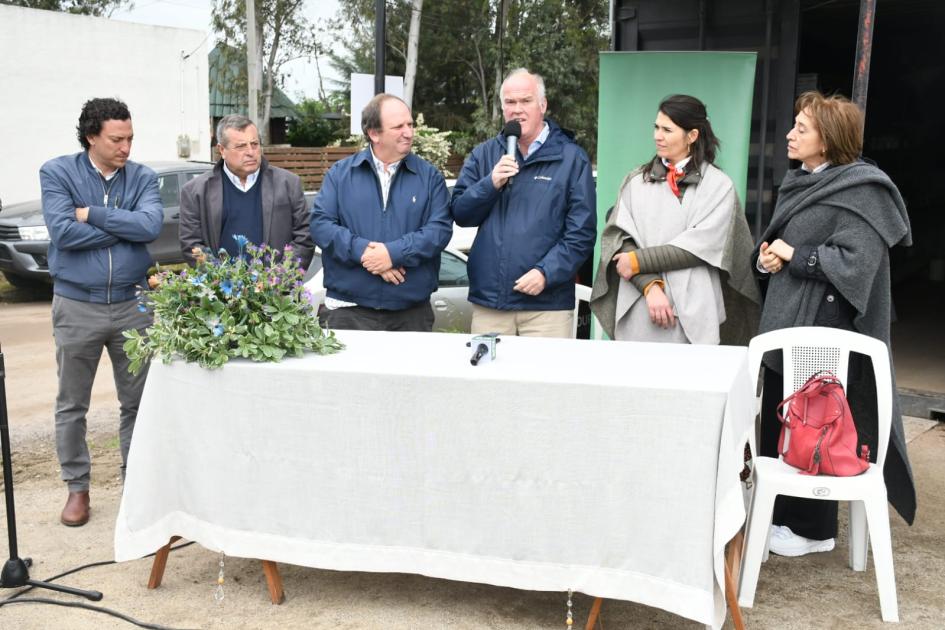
169	186
453	271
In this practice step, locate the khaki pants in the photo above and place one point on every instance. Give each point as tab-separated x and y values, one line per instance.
523	323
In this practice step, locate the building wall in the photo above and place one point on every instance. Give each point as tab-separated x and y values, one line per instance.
51	63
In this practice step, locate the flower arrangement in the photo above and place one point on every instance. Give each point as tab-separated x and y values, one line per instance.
252	305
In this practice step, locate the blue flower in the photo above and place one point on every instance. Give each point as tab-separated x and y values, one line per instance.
218	330
198	280
240	241
227	287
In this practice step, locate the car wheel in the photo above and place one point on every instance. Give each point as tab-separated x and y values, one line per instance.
22	282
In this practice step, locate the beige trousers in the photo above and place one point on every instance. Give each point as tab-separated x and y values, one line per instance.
523	323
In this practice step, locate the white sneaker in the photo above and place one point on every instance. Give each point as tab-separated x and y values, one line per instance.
784	542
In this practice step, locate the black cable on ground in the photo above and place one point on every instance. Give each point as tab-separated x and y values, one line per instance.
14	599
101	609
90	565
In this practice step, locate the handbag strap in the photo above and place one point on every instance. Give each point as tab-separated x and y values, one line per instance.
816	381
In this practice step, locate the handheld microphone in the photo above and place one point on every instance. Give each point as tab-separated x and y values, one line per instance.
485	346
512	132
480	352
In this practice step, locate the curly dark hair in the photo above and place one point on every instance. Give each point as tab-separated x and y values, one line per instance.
94	114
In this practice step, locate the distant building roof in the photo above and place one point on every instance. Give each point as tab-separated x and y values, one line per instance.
228	94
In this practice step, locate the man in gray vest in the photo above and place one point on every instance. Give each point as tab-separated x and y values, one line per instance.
244	195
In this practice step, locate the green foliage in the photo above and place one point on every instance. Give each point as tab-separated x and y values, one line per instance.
432	145
283	33
251	306
97	8
461	62
311	128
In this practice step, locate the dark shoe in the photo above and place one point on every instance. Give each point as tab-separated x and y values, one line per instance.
76	512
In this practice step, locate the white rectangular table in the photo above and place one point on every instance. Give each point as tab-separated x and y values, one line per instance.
608	468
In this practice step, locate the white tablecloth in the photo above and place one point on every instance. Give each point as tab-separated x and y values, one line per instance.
563	464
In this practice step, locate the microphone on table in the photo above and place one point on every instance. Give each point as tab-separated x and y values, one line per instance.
485	345
512	132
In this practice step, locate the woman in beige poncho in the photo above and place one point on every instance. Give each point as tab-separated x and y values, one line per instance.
672	254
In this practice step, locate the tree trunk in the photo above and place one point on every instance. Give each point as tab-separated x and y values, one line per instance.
267	97
501	23
480	69
413	41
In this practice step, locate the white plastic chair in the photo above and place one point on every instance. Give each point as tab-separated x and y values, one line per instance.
807	350
582	293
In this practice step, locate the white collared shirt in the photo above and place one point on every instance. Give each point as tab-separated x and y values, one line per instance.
384	174
250	179
816	170
679	166
107	178
540	140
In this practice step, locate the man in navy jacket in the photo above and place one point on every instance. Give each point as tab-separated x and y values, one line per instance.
101	209
381	219
536	214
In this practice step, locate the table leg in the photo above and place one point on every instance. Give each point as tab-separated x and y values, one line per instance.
160	562
273	581
733	560
594	614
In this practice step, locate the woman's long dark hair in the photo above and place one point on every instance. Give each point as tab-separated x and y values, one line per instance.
689	113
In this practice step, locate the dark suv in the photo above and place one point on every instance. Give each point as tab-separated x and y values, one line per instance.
24	240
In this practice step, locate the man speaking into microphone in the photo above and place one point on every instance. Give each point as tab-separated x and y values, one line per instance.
530	191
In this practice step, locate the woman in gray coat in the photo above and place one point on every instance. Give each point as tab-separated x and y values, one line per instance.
824	261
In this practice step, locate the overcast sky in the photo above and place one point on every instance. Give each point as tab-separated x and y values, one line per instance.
300	75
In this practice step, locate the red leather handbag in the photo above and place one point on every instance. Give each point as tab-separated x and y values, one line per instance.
822	438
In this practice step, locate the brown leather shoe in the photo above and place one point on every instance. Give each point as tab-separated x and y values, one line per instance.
76	512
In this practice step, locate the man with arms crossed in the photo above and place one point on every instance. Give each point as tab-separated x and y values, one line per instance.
101	210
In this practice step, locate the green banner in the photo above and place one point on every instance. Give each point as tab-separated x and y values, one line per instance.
632	84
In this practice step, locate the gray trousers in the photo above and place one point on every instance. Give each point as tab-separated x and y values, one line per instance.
82	330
